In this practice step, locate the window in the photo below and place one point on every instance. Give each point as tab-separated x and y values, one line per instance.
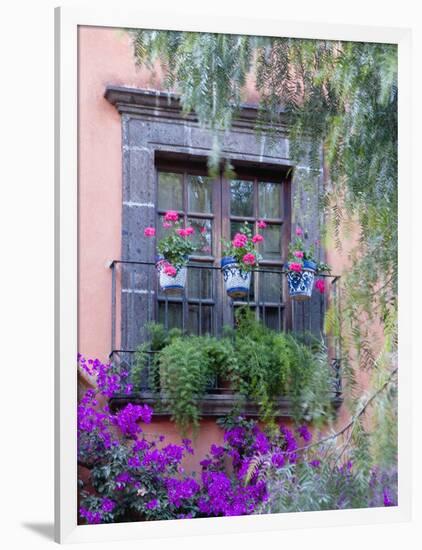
216	208
164	166
193	196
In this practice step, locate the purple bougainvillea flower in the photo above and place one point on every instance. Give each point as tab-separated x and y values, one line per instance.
216	451
290	444
90	516
152	504
235	436
262	443
108	505
278	459
179	490
387	499
127	418
304	433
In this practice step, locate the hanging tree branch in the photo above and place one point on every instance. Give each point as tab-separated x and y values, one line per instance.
352	421
255	463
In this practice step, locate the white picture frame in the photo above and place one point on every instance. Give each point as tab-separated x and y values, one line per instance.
67	22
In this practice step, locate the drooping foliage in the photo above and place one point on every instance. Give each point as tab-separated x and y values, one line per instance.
336	95
256	362
339	103
208	70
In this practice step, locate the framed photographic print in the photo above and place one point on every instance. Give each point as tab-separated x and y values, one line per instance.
229	196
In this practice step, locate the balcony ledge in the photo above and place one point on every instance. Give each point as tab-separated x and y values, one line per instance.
213	404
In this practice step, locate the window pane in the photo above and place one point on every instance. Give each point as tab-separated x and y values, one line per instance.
199	194
200	282
161	232
170	191
269	200
270	287
172	317
235	227
202	237
241	198
272	317
270	248
200	319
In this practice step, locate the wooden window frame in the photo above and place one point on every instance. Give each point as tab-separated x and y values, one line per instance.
221	219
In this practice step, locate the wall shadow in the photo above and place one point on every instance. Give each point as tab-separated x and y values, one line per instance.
46	530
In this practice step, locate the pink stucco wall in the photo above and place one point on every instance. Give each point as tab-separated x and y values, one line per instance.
105	58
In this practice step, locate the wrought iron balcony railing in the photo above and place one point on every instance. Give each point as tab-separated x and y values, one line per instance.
205	308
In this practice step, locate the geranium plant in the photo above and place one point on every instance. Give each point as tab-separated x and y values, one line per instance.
243	248
302	267
303	256
300	252
176	246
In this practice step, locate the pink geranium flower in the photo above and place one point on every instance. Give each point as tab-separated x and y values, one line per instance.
170	270
166	225
149	232
293	266
262	224
239	240
249	259
171	216
257	238
189	231
320	285
299	231
203	230
181	232
299	254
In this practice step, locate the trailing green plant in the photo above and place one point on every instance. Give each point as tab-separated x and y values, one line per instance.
181	369
187	368
274	364
259	363
146	355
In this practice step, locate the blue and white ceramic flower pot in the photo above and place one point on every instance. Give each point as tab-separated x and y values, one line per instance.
301	283
236	280
171	284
